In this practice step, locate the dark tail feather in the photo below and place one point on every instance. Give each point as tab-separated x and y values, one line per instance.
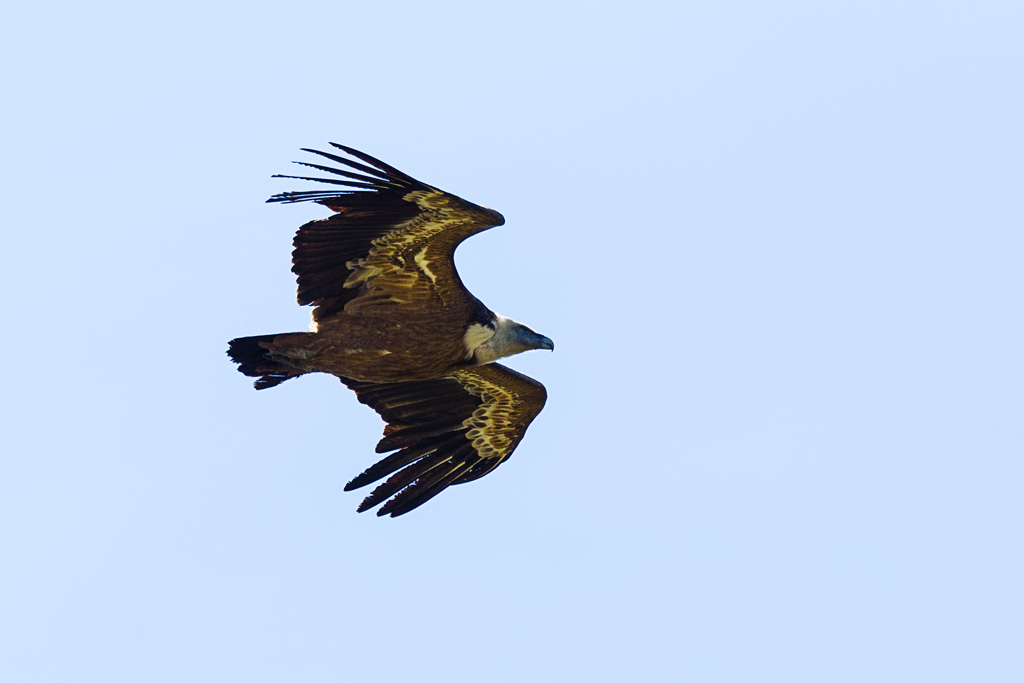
254	360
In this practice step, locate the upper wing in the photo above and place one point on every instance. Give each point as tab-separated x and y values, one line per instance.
389	248
449	431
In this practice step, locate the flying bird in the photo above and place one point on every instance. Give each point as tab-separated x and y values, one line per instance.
394	322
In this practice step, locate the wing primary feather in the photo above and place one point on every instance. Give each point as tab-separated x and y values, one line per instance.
309	196
401	479
481	469
394	462
308	193
422	490
330	181
372	181
380	173
390	170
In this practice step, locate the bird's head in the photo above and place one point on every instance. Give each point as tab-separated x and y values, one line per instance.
509	338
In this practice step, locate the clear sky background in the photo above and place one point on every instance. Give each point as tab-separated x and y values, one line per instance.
779	248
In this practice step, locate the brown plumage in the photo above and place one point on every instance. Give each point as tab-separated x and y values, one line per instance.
393	320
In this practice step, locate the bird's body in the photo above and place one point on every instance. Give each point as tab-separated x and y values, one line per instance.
393	320
368	351
382	350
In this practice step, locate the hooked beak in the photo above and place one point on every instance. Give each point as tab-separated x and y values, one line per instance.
545	343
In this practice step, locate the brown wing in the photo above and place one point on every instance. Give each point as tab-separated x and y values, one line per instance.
447	431
388	251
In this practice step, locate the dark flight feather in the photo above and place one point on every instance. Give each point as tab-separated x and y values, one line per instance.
423	489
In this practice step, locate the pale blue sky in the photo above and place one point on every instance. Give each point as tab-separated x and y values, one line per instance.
779	248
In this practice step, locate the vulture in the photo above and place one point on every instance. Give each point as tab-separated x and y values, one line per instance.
393	321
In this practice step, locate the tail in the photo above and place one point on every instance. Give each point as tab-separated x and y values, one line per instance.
254	360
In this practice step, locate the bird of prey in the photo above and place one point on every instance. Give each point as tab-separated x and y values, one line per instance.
394	322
